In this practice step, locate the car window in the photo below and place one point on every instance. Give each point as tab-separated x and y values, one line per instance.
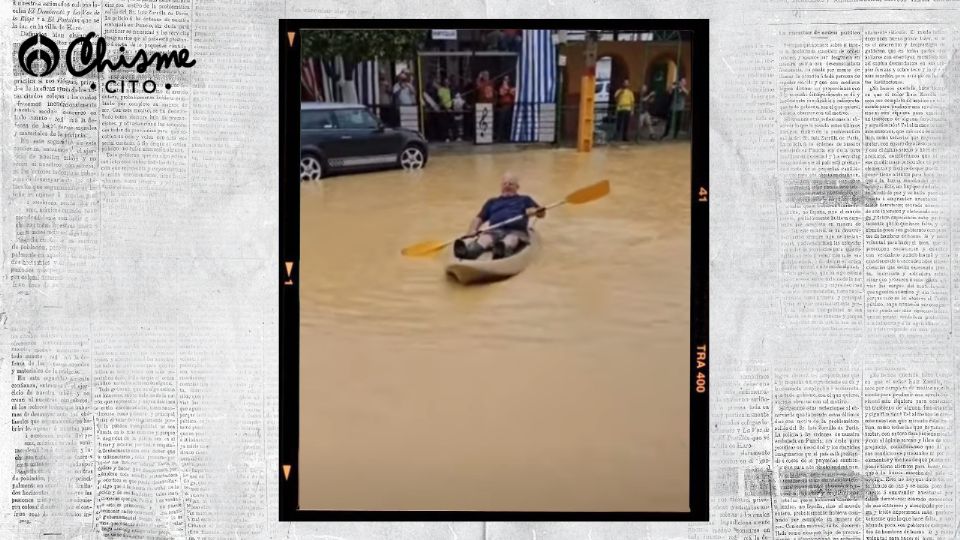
317	120
355	119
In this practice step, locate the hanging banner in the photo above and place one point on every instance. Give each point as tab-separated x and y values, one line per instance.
484	123
443	34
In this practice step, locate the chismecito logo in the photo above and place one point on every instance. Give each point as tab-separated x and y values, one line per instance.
39	56
39	50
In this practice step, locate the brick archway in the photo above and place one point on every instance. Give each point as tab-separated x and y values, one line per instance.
619	71
661	71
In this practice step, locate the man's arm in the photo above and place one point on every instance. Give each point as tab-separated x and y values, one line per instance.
534	209
482	216
475	225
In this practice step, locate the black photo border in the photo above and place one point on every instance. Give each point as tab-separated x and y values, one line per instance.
289	329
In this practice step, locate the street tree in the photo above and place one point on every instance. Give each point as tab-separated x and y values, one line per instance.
356	46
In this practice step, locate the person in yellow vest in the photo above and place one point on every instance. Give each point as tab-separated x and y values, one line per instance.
625	102
446	102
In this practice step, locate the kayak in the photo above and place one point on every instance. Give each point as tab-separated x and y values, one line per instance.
485	269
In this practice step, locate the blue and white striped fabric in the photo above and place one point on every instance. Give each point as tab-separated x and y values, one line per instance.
536	86
365	81
327	84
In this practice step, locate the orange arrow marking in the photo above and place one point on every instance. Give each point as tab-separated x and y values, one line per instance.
290	37
286	472
289	266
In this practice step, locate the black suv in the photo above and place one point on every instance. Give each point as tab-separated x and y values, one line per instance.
343	136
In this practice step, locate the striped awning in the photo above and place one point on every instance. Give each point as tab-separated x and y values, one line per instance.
536	87
324	86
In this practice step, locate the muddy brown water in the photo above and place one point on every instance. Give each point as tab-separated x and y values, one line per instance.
563	388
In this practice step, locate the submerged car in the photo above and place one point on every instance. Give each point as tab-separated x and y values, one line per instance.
338	137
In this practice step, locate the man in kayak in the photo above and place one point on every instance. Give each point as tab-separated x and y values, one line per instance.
503	240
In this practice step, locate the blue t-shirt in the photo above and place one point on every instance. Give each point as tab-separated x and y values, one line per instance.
503	208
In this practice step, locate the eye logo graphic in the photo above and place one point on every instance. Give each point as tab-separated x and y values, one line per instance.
41	49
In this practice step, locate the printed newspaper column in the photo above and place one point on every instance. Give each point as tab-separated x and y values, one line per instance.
228	379
50	234
817	443
907	238
863	426
484	120
218	455
51	427
821	182
909	449
817	405
145	173
135	396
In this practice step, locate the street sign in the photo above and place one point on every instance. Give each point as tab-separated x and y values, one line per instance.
443	34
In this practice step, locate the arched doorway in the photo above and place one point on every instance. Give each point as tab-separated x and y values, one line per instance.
611	71
662	71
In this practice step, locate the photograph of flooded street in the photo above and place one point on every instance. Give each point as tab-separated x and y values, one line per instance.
494	272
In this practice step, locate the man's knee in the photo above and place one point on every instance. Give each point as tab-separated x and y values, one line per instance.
485	240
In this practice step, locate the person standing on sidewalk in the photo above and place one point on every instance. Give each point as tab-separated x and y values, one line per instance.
403	91
484	88
446	112
506	96
646	104
458	105
485	94
625	102
678	99
468	91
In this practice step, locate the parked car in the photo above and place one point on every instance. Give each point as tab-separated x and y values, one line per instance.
337	137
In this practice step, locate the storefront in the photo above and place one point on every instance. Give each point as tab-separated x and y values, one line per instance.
654	59
478	86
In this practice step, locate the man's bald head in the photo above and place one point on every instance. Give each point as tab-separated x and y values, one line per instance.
509	183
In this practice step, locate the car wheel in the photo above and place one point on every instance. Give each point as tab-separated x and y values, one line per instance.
412	157
311	168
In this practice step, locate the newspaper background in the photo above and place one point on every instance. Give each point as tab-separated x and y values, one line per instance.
144	289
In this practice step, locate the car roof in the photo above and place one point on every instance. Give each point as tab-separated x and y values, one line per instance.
327	106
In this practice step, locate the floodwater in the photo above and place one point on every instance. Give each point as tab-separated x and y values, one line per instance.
564	388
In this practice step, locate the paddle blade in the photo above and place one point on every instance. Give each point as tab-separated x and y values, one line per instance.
423	248
589	193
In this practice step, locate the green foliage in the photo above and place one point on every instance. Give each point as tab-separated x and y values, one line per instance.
360	45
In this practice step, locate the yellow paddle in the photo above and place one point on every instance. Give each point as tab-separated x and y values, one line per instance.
580	196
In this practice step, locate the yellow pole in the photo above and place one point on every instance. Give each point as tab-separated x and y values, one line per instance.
588	88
